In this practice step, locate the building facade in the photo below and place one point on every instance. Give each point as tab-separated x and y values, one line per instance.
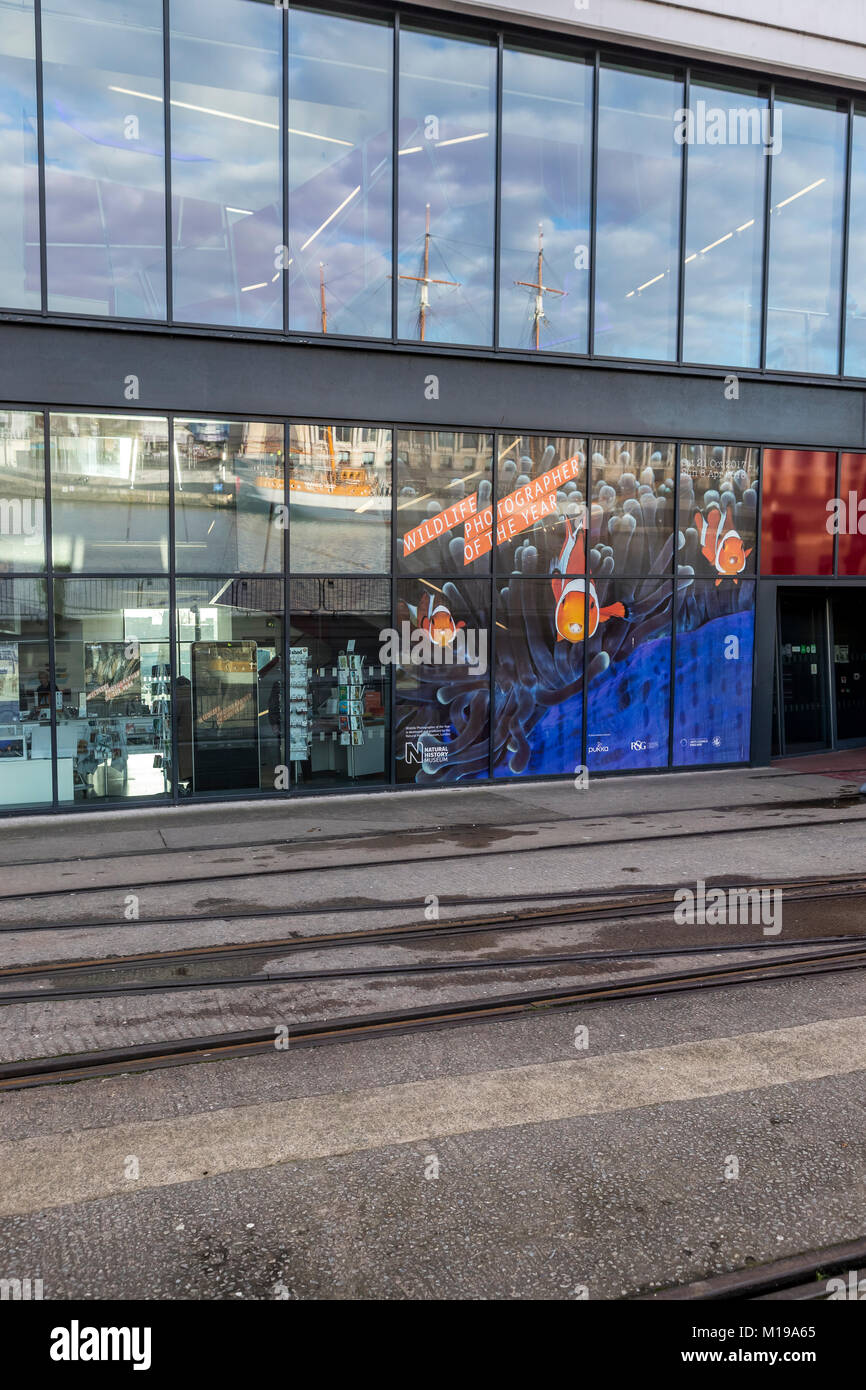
401	396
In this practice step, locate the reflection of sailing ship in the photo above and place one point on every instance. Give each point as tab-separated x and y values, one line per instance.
425	281
538	315
323	484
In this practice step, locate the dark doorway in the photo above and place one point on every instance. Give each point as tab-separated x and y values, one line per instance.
848	610
820	694
803	670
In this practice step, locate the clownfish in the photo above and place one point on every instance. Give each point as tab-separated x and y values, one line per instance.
721	544
437	621
571	619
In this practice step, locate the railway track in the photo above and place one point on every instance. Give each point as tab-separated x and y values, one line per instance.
589	904
73	1067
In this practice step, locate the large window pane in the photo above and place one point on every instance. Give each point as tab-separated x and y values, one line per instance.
796	526
718	511
632	506
226	193
113	689
638	214
104	157
540	480
339	499
109	493
447	160
444	502
19	206
25	696
855	309
22	492
724	251
339	701
538	692
340	174
808	202
229	696
713	689
229	496
442	724
546	166
628	680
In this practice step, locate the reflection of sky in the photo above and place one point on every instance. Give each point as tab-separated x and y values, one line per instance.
638	215
723	285
452	80
855	331
226	186
105	195
340	83
546	116
19	207
806	240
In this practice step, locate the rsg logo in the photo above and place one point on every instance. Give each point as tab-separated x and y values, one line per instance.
638	745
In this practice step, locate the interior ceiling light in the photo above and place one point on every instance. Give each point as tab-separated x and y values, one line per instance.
462	139
808	189
231	116
742	228
345	202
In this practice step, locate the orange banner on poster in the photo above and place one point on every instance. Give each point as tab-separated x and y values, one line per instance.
514	513
437	525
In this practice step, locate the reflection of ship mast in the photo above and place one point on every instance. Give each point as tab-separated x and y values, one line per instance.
425	281
330	432
540	288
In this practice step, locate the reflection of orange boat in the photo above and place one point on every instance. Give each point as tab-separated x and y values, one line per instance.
321	492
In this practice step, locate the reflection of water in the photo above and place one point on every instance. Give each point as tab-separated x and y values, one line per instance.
347	545
227	540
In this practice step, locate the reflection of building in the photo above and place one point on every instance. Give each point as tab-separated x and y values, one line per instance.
610	451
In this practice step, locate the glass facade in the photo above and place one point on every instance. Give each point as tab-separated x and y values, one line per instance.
855	307
340	123
19	158
638	217
340	499
226	183
109	487
288	170
112	689
230	512
723	254
229	687
446	148
513	604
104	116
196	601
807	215
25	697
546	191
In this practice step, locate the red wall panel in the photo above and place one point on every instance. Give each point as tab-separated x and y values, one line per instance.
852	545
796	486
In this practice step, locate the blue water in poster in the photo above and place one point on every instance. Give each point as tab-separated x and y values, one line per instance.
714	692
554	742
627	724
